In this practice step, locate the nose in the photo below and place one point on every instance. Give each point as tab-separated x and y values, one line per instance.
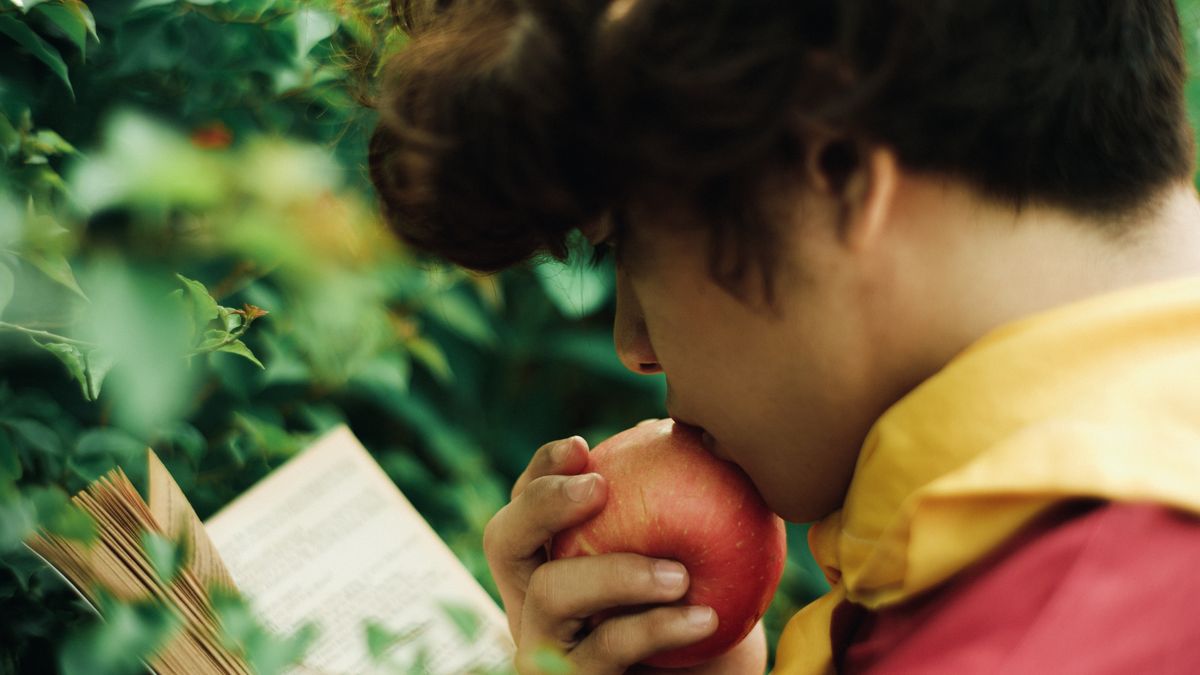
630	335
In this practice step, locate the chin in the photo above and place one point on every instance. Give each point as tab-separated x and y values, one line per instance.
802	511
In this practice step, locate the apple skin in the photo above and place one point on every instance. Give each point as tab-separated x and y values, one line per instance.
670	498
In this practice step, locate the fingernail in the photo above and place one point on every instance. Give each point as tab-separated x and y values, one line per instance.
698	616
580	488
668	574
560	452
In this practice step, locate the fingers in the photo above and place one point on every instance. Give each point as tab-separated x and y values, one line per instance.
566	456
563	593
549	505
748	657
515	538
622	641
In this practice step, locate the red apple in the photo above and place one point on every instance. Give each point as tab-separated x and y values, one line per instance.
670	498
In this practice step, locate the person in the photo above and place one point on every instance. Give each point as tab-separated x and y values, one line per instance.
927	271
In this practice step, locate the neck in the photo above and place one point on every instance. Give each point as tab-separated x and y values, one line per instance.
990	267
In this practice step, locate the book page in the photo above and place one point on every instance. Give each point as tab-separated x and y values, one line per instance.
328	538
179	521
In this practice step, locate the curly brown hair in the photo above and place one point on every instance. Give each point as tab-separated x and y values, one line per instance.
505	124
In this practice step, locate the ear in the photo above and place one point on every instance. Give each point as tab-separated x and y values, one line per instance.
862	180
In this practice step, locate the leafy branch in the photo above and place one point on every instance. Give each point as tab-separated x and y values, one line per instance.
234	322
45	335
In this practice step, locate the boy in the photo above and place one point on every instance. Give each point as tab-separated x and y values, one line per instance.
928	271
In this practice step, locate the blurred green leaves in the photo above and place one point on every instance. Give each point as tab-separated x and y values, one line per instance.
146	165
166	557
118	645
23	35
205	166
73	18
265	652
577	287
89	367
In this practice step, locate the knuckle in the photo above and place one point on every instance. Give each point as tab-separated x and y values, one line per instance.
616	642
496	533
542	594
629	572
544	459
544	490
492	536
545	454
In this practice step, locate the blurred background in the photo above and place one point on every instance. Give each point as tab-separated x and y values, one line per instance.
190	259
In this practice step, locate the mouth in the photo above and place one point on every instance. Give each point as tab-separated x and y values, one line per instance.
706	439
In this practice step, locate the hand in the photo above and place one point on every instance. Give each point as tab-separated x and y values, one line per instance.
749	657
549	603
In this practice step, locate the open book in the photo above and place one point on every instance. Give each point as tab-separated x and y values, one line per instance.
325	539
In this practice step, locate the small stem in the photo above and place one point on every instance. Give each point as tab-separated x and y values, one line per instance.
4	325
234	335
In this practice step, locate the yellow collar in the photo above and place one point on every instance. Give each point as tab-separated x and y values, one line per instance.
1100	398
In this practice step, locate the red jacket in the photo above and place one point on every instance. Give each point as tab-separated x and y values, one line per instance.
1093	588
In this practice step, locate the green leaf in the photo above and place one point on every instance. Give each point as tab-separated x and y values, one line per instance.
285	366
10	138
552	662
42	50
380	640
99	363
8	286
48	142
17	518
236	621
56	267
36	436
238	347
89	370
429	354
420	664
457	312
144	4
213	339
312	26
61	517
26	5
97	451
385	375
74	19
266	652
117	645
577	289
72	358
204	308
274	656
10	460
464	619
230	319
164	555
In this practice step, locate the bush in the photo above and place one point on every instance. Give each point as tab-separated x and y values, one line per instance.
190	259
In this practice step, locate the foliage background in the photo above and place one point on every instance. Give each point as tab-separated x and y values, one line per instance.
224	141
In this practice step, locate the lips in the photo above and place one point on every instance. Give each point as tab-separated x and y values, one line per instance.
706	439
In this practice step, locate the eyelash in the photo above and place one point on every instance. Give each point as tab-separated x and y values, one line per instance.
610	246
602	251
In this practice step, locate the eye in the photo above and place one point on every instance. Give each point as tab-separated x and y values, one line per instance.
607	247
602	251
